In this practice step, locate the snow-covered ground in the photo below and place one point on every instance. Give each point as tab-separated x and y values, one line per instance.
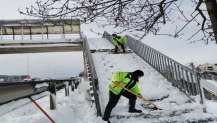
74	108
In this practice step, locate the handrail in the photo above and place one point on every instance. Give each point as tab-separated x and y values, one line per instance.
94	77
182	77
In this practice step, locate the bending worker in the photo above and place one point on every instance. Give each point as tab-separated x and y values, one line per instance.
130	81
119	41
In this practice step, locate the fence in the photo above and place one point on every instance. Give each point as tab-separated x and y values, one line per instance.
182	77
91	74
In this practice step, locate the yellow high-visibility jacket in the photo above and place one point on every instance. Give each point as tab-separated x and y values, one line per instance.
122	77
119	40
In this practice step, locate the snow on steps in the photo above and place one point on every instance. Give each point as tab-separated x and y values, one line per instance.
176	106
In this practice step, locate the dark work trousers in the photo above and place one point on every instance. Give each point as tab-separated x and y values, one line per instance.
122	46
113	100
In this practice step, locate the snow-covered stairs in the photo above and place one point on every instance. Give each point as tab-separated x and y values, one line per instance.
177	107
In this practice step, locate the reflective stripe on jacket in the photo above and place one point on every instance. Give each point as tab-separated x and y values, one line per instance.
120	40
122	77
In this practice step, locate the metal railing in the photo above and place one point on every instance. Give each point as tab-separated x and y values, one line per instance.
94	79
18	87
182	77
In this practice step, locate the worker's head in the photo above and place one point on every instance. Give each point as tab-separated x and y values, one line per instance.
114	35
137	74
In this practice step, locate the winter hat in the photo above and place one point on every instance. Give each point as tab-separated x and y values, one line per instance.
138	73
114	35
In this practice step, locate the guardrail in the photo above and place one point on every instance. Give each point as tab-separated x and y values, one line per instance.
182	77
11	91
92	74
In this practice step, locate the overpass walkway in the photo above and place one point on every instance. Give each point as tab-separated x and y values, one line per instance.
177	107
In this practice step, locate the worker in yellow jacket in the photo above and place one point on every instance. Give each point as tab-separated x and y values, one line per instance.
130	80
119	41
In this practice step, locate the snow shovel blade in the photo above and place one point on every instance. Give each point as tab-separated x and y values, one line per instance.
150	107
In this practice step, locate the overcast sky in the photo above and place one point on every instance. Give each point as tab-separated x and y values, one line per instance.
44	65
9	8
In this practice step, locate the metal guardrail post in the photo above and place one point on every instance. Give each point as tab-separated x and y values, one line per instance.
52	89
200	89
66	88
188	81
73	85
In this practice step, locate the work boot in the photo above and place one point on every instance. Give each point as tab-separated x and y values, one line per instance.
106	119
133	110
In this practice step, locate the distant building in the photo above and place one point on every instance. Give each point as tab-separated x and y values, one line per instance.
14	78
208	71
208	68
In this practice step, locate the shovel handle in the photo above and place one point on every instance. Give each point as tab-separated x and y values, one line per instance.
137	95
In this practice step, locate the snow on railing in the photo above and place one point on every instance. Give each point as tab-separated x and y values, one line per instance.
91	74
179	75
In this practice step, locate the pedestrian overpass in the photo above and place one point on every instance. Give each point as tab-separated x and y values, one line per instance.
32	36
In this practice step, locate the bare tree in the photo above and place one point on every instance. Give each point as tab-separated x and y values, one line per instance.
138	15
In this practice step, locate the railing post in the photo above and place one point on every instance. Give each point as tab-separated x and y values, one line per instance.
73	85
52	89
170	70
183	80
164	66
66	88
158	62
200	88
188	82
176	75
76	83
155	59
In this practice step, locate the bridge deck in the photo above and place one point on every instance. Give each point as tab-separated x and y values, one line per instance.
153	86
30	46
